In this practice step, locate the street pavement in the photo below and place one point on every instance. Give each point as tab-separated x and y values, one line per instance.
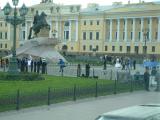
86	109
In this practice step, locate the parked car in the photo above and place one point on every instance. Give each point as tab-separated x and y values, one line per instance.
139	112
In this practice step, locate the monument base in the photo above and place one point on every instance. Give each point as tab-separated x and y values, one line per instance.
44	32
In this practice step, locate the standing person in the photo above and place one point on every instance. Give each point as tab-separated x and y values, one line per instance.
61	65
104	62
43	65
38	65
134	64
146	78
87	70
79	70
32	65
157	78
35	65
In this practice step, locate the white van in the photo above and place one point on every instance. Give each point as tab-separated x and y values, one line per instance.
139	112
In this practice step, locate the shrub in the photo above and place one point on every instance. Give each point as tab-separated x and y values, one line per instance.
21	76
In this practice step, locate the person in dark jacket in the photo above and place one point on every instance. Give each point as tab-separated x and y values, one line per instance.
146	78
87	70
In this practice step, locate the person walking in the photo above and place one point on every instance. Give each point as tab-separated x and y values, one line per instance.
146	79
157	78
87	70
79	70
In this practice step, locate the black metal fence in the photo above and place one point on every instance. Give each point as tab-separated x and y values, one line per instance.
21	99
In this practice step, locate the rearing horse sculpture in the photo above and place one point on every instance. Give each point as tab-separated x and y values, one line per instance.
38	23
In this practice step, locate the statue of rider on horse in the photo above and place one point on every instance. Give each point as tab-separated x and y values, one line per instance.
39	22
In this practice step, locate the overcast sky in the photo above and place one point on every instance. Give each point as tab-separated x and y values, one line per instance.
69	2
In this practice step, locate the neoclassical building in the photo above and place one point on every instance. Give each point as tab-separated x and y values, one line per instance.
132	28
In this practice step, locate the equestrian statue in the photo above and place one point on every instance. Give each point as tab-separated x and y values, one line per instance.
39	23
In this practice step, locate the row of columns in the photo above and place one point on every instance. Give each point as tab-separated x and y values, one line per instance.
133	29
57	27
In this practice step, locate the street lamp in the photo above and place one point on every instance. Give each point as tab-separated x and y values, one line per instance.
14	20
145	34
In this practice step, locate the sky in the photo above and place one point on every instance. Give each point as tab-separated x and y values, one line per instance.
83	3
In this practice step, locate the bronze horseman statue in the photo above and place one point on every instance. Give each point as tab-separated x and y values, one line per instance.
39	22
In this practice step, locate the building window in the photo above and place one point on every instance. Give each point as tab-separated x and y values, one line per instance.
91	36
84	35
113	48
97	47
97	35
23	25
1	45
5	24
124	22
84	48
66	35
144	49
24	34
153	49
123	35
106	48
71	48
97	22
128	49
139	21
147	36
120	48
131	35
0	35
139	35
132	22
90	47
148	21
5	35
1	24
116	35
156	36
84	23
91	22
5	45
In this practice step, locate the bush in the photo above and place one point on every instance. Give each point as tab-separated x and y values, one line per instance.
21	76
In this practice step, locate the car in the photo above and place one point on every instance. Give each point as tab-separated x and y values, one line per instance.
138	112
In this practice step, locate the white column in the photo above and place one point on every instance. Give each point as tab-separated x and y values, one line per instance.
134	23
118	28
142	24
111	25
77	30
57	33
150	29
70	30
126	29
26	30
50	32
159	29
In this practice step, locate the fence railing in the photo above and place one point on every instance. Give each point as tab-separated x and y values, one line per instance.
22	99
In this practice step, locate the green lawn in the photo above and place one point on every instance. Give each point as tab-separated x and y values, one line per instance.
35	93
10	87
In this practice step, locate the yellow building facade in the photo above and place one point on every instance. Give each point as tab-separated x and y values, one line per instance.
118	28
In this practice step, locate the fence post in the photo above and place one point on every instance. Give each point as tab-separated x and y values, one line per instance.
131	82
18	100
115	86
49	91
96	94
93	72
74	93
111	75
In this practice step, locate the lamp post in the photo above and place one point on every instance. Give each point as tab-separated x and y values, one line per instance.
14	20
145	34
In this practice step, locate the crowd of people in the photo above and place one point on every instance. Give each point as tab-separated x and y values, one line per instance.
125	62
27	64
